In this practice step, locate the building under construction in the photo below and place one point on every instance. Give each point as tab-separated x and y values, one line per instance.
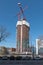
22	30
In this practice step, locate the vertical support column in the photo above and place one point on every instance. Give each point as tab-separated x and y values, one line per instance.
36	46
16	41
21	40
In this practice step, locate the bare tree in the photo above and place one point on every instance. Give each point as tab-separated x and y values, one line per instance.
3	33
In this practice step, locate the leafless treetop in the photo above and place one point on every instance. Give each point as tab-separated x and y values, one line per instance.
3	33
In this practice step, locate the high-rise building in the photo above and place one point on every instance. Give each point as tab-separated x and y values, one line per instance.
22	32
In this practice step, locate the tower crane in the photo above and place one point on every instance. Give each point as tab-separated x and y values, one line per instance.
21	13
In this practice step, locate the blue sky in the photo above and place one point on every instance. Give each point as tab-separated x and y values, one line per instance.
9	18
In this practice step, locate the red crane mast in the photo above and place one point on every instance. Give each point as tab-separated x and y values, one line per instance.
21	13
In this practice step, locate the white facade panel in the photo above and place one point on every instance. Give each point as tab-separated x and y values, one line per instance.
37	40
23	22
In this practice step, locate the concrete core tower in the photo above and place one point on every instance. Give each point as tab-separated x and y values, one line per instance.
23	28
